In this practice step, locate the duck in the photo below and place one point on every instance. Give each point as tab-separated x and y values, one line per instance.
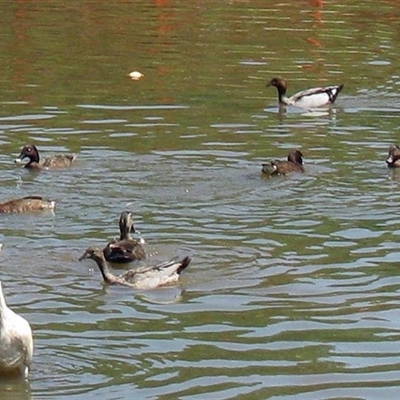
16	341
307	99
125	249
393	160
53	162
294	163
26	204
146	277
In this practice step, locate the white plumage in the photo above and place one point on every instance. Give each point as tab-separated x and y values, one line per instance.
16	341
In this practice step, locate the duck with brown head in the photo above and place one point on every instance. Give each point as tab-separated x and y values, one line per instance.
294	163
393	160
147	277
125	249
307	99
53	162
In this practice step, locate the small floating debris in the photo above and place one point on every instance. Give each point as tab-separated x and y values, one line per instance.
136	75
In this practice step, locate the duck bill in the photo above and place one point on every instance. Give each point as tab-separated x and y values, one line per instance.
18	160
84	256
268	168
389	160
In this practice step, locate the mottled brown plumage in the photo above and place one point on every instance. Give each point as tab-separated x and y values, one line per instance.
125	249
294	163
26	204
53	162
147	277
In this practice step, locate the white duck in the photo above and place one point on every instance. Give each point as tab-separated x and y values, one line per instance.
16	341
309	98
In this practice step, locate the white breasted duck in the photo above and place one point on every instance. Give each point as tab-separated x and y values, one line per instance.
16	341
307	99
147	277
393	160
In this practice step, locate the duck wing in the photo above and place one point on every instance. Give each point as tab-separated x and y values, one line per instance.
315	97
16	343
12	355
124	251
153	276
59	161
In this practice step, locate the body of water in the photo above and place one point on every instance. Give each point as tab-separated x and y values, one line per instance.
293	290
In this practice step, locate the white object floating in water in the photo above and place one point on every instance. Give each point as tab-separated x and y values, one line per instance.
136	75
16	341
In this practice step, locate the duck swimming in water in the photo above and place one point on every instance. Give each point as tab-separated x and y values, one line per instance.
53	162
294	163
307	99
393	160
16	341
26	204
148	277
125	249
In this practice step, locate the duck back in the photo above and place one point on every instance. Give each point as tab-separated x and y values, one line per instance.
26	204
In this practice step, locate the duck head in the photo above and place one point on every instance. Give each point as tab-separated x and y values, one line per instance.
295	156
29	151
93	253
279	83
126	224
393	159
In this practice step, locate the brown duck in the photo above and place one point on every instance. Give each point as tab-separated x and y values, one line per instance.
393	160
125	249
26	204
294	163
53	162
148	277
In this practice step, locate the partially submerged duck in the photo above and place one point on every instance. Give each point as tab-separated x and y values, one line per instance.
307	99
53	162
16	341
294	163
125	249
393	160
26	204
148	277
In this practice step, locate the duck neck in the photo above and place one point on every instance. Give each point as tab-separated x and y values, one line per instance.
105	272
282	94
125	232
30	164
3	306
35	156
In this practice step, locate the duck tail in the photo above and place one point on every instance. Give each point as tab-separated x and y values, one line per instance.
335	92
184	263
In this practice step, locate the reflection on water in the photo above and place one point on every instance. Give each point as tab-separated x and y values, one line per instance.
293	288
